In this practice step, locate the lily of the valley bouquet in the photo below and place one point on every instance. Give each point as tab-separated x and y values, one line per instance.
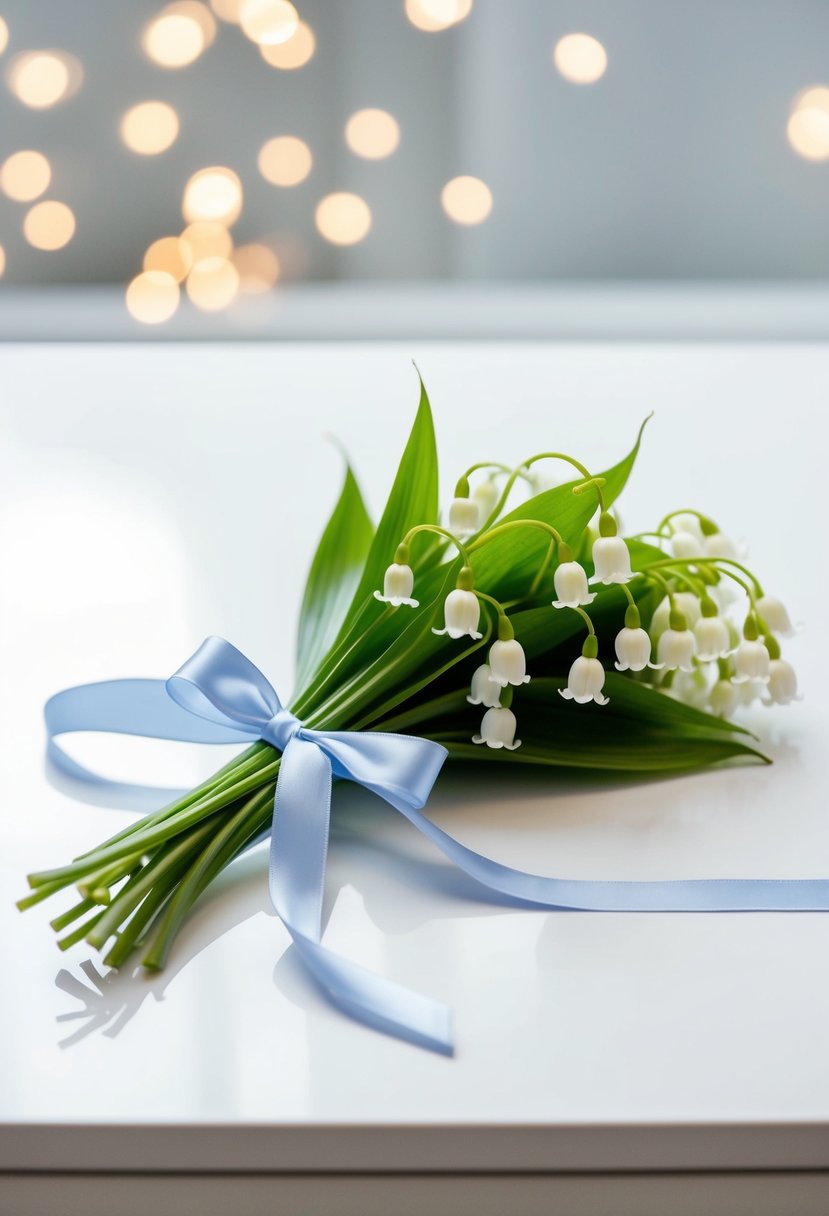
530	634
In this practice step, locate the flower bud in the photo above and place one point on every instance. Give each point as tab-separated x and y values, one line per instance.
484	690
585	682
633	650
751	663
570	582
462	613
498	729
507	663
712	638
397	586
464	517
611	560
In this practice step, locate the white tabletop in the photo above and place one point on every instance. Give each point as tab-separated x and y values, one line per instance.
152	495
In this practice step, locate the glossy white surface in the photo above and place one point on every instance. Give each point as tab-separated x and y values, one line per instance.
152	495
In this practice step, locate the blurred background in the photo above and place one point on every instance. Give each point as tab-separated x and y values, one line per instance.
251	167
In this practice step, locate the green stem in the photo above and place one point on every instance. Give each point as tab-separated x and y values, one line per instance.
66	918
314	690
484	537
435	530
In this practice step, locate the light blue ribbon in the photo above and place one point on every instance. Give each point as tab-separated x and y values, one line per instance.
219	696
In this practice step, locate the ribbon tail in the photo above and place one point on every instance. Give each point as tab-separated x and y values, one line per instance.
299	849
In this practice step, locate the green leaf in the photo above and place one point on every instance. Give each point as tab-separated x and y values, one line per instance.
413	500
333	577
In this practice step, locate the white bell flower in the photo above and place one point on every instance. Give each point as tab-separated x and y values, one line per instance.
725	699
720	545
677	646
585	682
713	638
686	545
686	521
508	663
484	690
633	650
462	613
782	685
611	559
486	496
686	602
774	613
464	517
498	729
570	581
751	663
692	688
398	584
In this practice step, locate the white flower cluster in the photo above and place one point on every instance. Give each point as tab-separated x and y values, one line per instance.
705	655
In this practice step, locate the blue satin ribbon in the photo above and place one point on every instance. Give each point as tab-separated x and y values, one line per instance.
219	696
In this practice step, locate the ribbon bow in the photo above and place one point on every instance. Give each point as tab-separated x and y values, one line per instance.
219	696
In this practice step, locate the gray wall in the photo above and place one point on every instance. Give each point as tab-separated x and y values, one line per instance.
675	164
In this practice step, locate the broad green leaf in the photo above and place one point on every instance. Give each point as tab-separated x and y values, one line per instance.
413	500
333	578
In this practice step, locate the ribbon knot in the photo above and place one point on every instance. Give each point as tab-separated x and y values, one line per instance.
282	727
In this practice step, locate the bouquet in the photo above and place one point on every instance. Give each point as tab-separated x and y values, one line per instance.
533	635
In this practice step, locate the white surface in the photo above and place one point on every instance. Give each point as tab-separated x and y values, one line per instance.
620	309
153	495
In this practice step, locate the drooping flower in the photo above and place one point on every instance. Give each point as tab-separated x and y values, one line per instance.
686	545
751	662
782	685
570	581
464	517
508	663
775	614
462	613
725	698
692	687
485	495
685	602
398	584
633	650
677	645
686	521
484	690
498	729
611	560
585	682
720	545
713	638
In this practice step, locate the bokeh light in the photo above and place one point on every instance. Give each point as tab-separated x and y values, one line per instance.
4	35
179	34
466	200
228	10
25	175
285	160
40	79
205	239
295	52
152	297
268	22
171	255
2	261
257	267
815	97
343	218
213	194
213	284
149	128
580	58
49	225
372	134
435	15
808	132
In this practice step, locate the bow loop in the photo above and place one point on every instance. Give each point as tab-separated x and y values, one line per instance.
218	683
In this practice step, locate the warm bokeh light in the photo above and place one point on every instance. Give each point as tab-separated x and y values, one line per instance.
580	58
343	218
49	225
808	132
152	297
25	175
149	128
213	194
4	35
372	134
228	10
268	22
178	34
466	200
2	261
170	255
213	284
816	98
257	267
294	53
205	239
285	160
435	15
40	79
